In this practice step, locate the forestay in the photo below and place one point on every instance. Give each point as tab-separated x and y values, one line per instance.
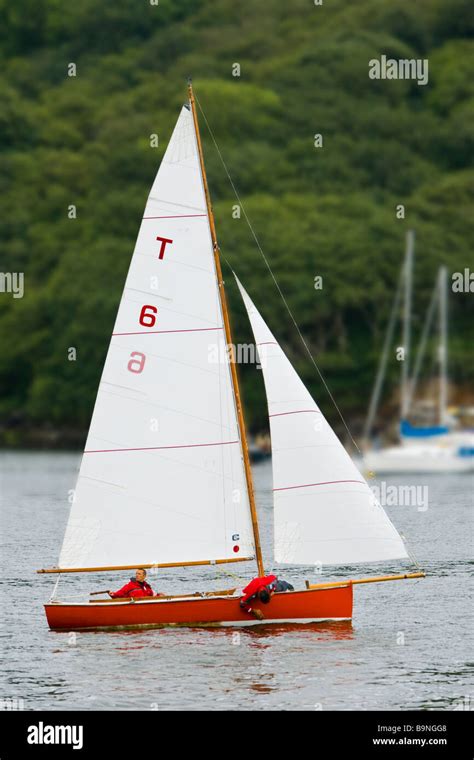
162	477
324	511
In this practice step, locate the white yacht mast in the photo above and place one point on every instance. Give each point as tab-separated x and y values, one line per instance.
443	344
410	244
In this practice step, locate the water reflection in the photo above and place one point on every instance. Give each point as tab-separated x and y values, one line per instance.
331	630
262	688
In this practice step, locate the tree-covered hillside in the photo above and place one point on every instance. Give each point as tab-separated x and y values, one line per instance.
84	140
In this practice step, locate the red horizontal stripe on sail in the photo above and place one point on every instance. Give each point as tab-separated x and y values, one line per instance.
326	483
301	411
156	448
149	332
175	216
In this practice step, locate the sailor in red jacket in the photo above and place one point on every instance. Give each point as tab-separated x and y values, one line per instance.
259	588
137	587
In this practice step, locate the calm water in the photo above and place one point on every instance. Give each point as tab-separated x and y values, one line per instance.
408	646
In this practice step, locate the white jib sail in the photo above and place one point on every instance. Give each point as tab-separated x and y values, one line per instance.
162	478
324	511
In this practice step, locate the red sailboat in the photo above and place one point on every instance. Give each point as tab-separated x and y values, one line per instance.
165	479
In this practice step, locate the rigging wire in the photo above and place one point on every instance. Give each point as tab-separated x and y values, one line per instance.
277	285
241	581
411	555
267	263
53	594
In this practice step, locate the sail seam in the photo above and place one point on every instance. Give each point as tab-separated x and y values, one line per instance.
325	483
155	332
155	448
174	216
155	199
300	411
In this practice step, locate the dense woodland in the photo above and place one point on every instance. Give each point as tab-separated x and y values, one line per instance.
327	211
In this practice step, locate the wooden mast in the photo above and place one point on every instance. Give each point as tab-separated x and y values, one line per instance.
228	335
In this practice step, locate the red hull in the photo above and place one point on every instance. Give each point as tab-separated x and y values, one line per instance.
290	607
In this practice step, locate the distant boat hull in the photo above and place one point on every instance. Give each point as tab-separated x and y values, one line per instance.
306	606
417	459
258	455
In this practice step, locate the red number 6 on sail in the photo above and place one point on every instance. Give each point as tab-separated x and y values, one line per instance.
148	319
136	365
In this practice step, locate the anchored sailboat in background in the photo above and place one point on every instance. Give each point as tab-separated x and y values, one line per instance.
437	447
165	479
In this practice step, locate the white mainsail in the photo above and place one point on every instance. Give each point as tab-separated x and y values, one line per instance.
324	511
162	478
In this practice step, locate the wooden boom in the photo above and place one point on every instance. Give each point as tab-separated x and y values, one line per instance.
145	567
375	579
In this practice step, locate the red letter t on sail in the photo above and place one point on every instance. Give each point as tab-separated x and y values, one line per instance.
163	246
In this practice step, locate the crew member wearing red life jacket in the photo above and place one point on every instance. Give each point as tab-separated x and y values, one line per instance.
137	587
259	588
